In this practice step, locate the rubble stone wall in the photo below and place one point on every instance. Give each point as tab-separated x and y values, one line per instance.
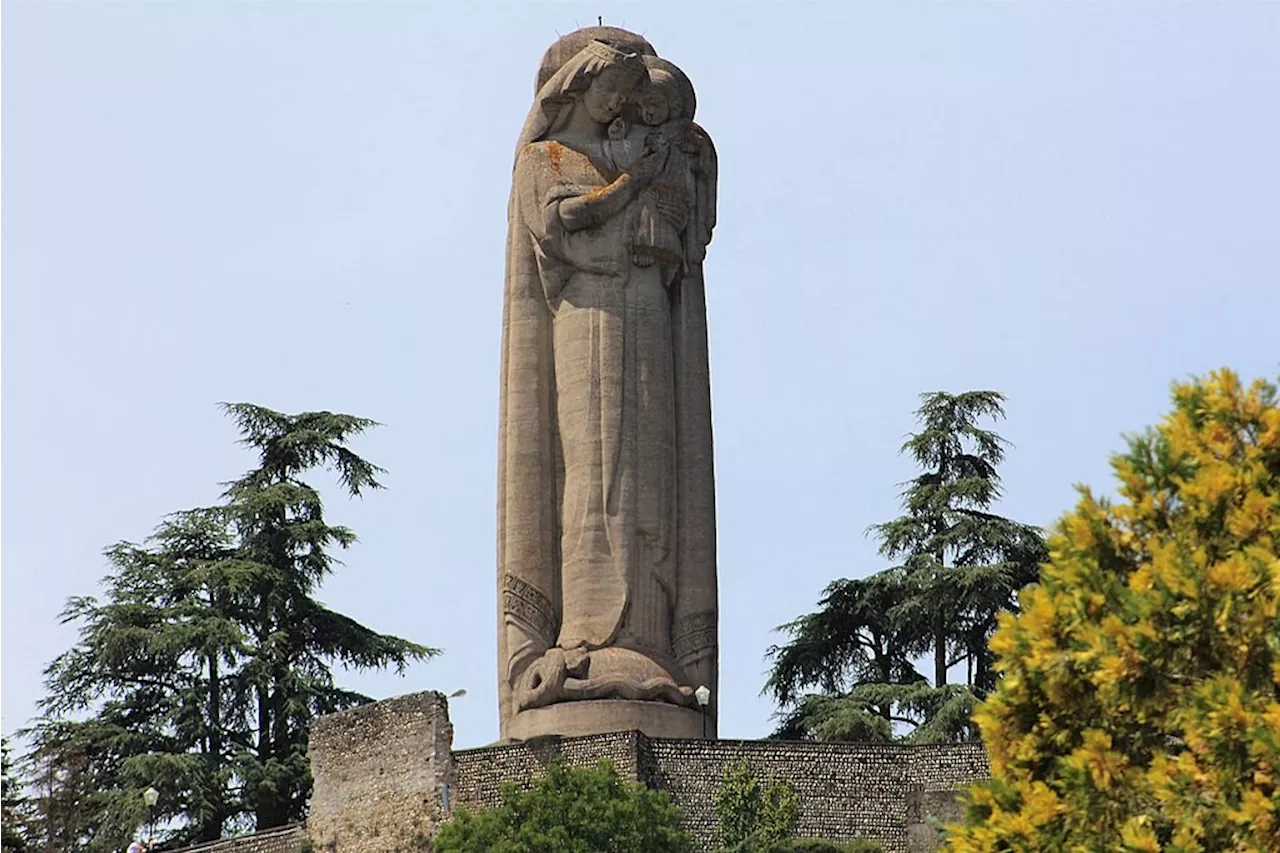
385	777
845	791
381	775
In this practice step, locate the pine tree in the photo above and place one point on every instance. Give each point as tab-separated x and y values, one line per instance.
282	556
856	641
150	668
1139	708
200	671
960	565
14	816
74	767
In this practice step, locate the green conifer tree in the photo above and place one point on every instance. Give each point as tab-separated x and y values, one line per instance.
958	566
13	805
200	670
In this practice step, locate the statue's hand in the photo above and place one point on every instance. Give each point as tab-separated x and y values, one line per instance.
648	164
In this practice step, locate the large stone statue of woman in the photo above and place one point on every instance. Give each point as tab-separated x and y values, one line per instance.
606	556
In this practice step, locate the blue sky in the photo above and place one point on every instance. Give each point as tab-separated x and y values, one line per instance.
303	205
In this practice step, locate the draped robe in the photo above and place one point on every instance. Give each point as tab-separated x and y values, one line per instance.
605	516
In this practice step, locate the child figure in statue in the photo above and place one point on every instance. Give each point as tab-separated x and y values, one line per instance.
658	219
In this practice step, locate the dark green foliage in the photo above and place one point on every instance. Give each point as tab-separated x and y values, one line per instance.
752	813
201	668
14	806
570	811
848	672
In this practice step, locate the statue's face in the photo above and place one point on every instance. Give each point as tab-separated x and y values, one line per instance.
606	94
657	98
654	107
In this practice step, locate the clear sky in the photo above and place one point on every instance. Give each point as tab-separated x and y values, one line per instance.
303	205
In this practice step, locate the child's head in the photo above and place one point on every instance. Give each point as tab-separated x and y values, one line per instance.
667	96
656	99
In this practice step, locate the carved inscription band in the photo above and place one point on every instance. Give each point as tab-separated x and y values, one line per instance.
694	634
525	601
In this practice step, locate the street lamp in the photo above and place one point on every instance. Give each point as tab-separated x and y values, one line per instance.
703	695
151	796
458	694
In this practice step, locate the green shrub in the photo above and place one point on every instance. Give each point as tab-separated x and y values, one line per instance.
753	813
570	811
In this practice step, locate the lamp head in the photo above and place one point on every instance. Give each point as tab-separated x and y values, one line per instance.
703	695
151	796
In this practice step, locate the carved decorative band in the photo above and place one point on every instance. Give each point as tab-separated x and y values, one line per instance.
694	634
526	602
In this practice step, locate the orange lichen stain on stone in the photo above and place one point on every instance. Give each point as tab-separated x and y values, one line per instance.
555	152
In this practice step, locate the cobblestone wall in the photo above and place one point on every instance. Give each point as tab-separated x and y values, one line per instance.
481	772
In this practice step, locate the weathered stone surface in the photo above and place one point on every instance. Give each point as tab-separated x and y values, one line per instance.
606	509
285	839
385	777
845	791
571	719
381	772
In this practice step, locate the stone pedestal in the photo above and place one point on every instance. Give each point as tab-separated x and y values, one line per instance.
590	717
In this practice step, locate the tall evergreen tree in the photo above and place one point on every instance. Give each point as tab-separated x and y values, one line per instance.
149	668
282	556
12	838
958	566
201	670
75	769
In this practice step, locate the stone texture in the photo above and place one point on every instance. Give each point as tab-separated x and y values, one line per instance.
570	719
385	777
606	509
381	775
845	791
286	839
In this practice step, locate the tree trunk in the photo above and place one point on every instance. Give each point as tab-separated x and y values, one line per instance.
939	652
211	827
882	665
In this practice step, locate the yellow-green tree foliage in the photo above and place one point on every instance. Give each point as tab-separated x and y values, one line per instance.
1138	706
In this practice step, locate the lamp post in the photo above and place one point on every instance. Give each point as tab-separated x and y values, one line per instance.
703	695
151	796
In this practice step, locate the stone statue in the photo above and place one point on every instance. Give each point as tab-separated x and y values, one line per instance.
606	510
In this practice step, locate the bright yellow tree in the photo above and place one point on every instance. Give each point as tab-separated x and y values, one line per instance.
1139	708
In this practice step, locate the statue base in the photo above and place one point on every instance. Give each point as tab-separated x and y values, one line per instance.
599	716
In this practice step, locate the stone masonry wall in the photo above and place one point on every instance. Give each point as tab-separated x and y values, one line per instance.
481	772
845	791
381	772
286	839
385	776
